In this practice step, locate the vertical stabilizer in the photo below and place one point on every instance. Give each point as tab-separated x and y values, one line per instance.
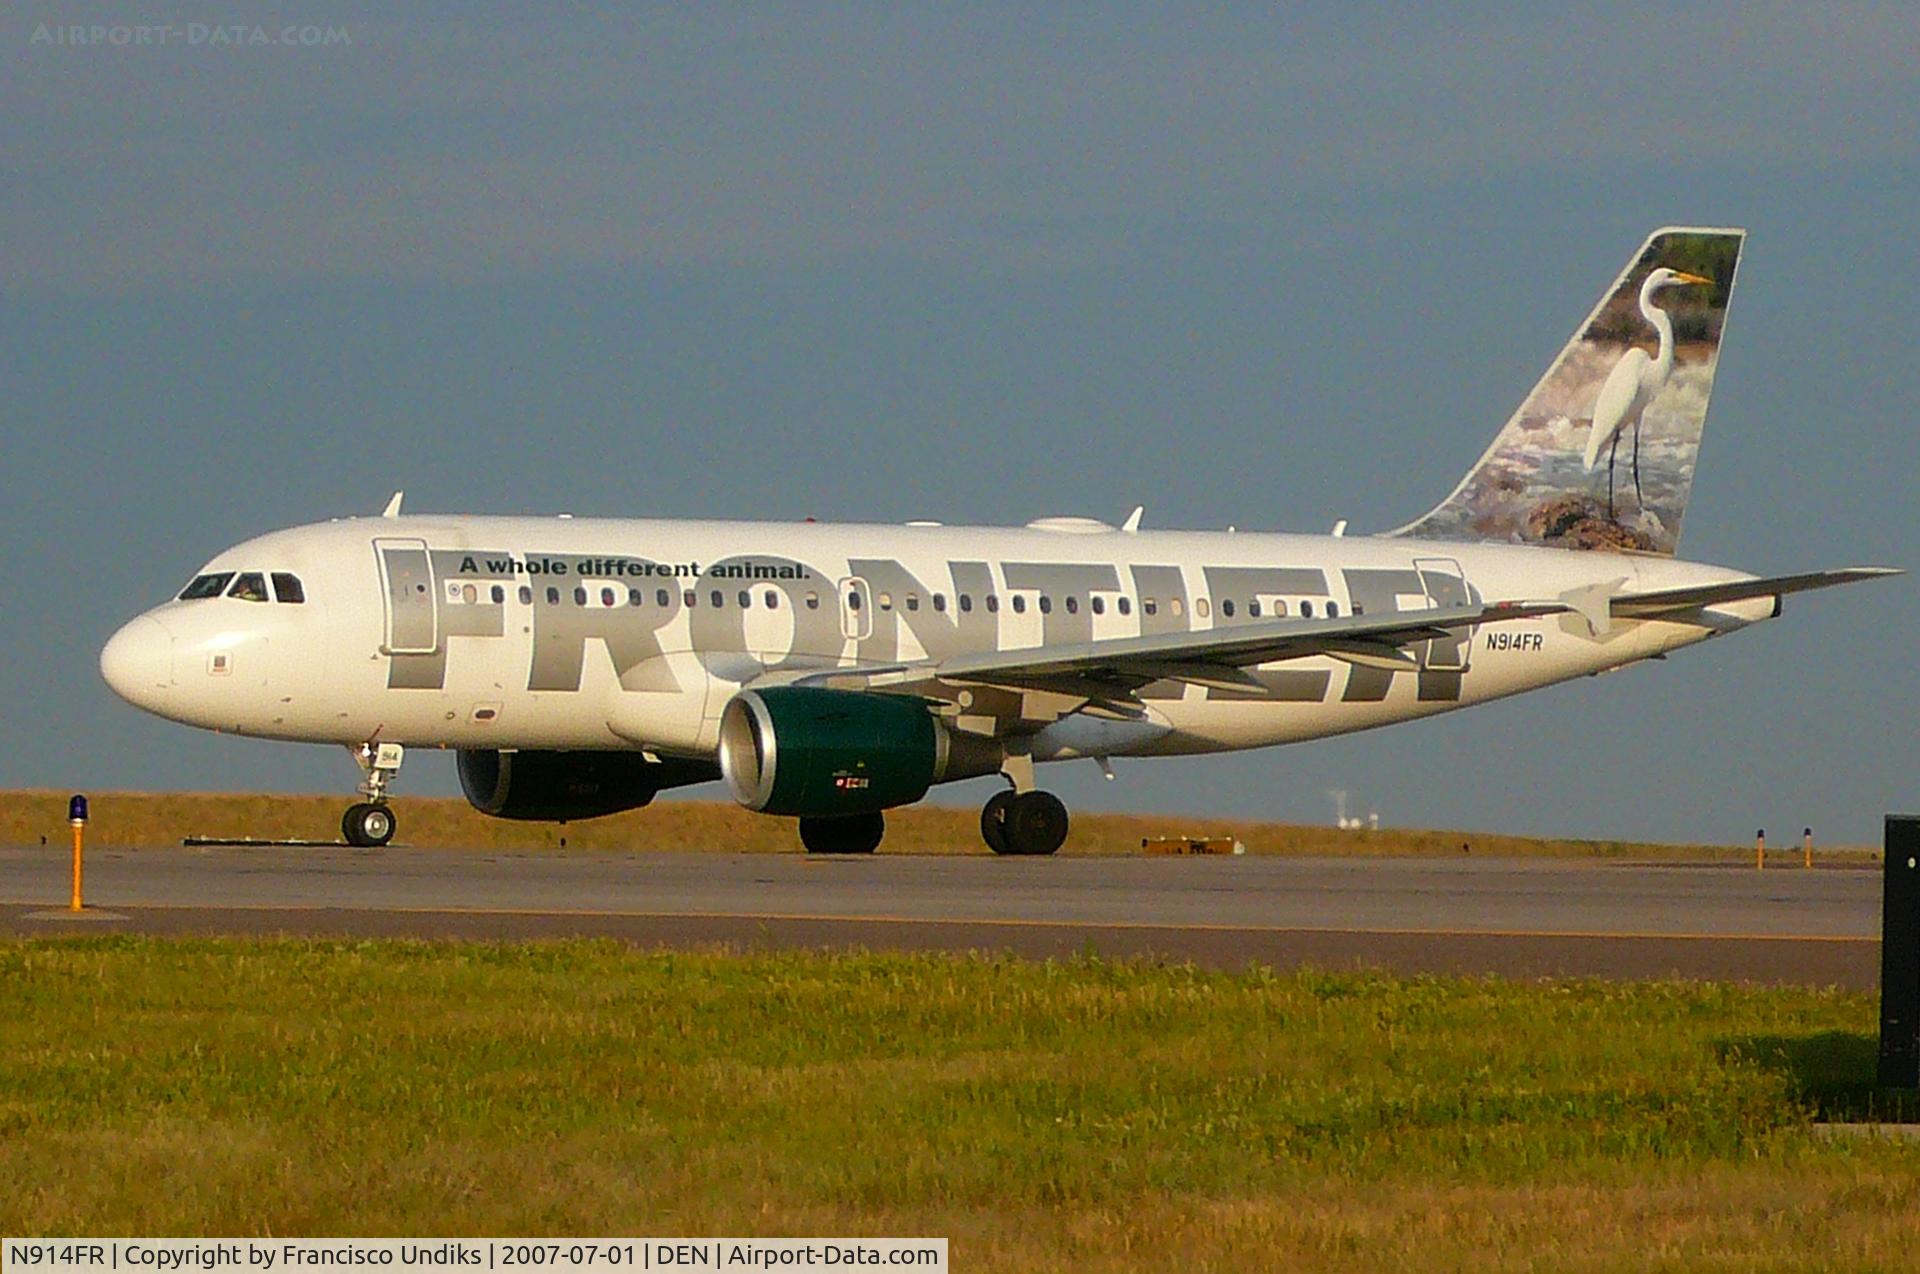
1602	452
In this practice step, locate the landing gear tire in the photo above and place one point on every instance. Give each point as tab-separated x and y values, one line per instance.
1035	823
993	822
367	826
851	834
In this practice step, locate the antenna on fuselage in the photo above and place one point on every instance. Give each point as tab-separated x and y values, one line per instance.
1133	519
393	506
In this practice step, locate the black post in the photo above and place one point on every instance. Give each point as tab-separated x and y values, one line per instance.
1900	955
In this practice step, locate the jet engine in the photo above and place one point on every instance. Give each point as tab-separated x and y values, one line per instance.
558	786
828	753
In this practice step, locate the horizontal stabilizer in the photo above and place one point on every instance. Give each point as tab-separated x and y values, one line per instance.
1670	600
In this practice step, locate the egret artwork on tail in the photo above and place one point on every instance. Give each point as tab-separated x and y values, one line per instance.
1636	380
1536	484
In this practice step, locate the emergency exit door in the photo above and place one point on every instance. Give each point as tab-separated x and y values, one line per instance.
1445	585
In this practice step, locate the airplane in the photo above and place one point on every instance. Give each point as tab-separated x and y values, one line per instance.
580	666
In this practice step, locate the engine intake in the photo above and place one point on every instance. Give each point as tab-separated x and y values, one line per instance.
823	753
559	786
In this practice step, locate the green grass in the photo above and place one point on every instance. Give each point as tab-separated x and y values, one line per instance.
1086	1115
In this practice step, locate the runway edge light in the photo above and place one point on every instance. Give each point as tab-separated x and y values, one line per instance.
1900	955
77	817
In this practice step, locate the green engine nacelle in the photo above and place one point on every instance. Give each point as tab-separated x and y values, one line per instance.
821	753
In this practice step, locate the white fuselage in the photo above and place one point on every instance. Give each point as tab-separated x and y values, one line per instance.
562	633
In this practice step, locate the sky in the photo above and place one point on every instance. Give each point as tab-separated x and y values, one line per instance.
1249	265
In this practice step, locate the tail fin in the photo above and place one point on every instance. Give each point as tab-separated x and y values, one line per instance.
1601	454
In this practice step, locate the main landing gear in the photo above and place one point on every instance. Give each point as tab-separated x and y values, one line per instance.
1022	820
369	824
852	834
1023	823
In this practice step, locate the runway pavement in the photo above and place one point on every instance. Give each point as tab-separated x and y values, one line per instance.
1519	917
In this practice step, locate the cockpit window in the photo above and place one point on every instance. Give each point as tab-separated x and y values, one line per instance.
250	586
206	586
287	588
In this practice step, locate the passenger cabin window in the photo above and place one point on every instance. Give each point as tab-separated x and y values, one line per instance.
1126	606
526	595
853	599
1306	609
1149	606
251	586
746	599
1099	605
913	601
966	603
663	597
940	603
772	599
1200	607
499	591
1019	604
993	603
553	597
813	601
718	598
1333	610
1226	607
1046	604
1073	604
1253	608
206	586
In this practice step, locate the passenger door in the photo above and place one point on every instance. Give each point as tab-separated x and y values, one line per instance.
406	579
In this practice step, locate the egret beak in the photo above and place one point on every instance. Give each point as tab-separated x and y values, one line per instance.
1684	277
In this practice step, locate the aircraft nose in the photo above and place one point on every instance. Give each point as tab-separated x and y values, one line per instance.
138	662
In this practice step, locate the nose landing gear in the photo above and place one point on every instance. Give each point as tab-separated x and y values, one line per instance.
369	824
366	825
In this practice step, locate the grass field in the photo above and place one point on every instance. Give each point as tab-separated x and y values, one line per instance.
162	819
1085	1116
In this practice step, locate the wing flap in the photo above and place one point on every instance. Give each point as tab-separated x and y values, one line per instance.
1215	654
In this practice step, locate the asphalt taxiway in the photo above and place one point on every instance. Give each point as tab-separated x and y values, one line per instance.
1518	917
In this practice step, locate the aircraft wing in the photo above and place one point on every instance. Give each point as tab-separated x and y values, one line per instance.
1217	655
1654	605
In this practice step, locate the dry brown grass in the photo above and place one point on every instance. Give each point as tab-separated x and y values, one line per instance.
154	820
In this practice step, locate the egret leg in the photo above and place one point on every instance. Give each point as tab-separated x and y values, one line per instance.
1637	497
1612	451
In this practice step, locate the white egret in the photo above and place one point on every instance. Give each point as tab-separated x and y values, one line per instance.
1635	381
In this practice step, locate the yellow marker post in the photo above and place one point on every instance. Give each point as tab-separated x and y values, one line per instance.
77	816
1806	846
1760	850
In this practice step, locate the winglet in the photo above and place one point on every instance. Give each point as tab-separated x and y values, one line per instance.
1133	519
393	506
